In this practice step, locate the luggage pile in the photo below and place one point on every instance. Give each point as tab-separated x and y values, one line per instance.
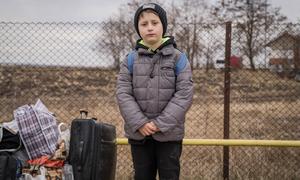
35	147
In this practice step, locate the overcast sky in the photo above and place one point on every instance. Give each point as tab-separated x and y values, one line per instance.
90	10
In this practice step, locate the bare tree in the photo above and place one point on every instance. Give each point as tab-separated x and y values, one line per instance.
254	19
214	45
187	24
116	39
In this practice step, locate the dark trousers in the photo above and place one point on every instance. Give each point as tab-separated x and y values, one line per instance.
150	156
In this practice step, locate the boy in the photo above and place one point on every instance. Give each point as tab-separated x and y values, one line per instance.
154	92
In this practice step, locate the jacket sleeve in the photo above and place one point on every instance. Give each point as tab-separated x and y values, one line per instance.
175	110
133	116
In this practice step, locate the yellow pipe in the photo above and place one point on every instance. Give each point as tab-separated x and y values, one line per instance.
231	142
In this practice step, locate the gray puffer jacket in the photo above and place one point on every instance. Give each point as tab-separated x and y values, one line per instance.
159	89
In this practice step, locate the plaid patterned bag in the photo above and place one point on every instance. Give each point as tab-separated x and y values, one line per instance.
38	130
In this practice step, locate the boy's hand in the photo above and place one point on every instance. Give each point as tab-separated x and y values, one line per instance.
148	129
154	126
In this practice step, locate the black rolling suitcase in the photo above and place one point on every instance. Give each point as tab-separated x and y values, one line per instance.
92	149
8	167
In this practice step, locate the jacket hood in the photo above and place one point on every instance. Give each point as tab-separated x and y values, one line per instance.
167	40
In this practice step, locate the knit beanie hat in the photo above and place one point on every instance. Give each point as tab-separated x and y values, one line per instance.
156	8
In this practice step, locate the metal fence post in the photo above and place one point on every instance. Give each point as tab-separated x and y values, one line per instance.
227	99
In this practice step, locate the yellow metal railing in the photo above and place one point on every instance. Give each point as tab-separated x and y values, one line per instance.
231	142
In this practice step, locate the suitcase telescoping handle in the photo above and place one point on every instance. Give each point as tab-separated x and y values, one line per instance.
84	114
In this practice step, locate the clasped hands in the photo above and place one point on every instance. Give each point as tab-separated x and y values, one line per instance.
148	129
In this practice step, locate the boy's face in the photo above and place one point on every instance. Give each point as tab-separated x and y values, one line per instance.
150	27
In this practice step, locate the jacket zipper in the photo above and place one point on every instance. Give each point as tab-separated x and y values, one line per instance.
158	81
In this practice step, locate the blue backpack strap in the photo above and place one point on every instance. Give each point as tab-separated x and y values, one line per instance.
130	61
180	63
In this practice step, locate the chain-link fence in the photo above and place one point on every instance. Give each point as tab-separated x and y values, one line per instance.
72	66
